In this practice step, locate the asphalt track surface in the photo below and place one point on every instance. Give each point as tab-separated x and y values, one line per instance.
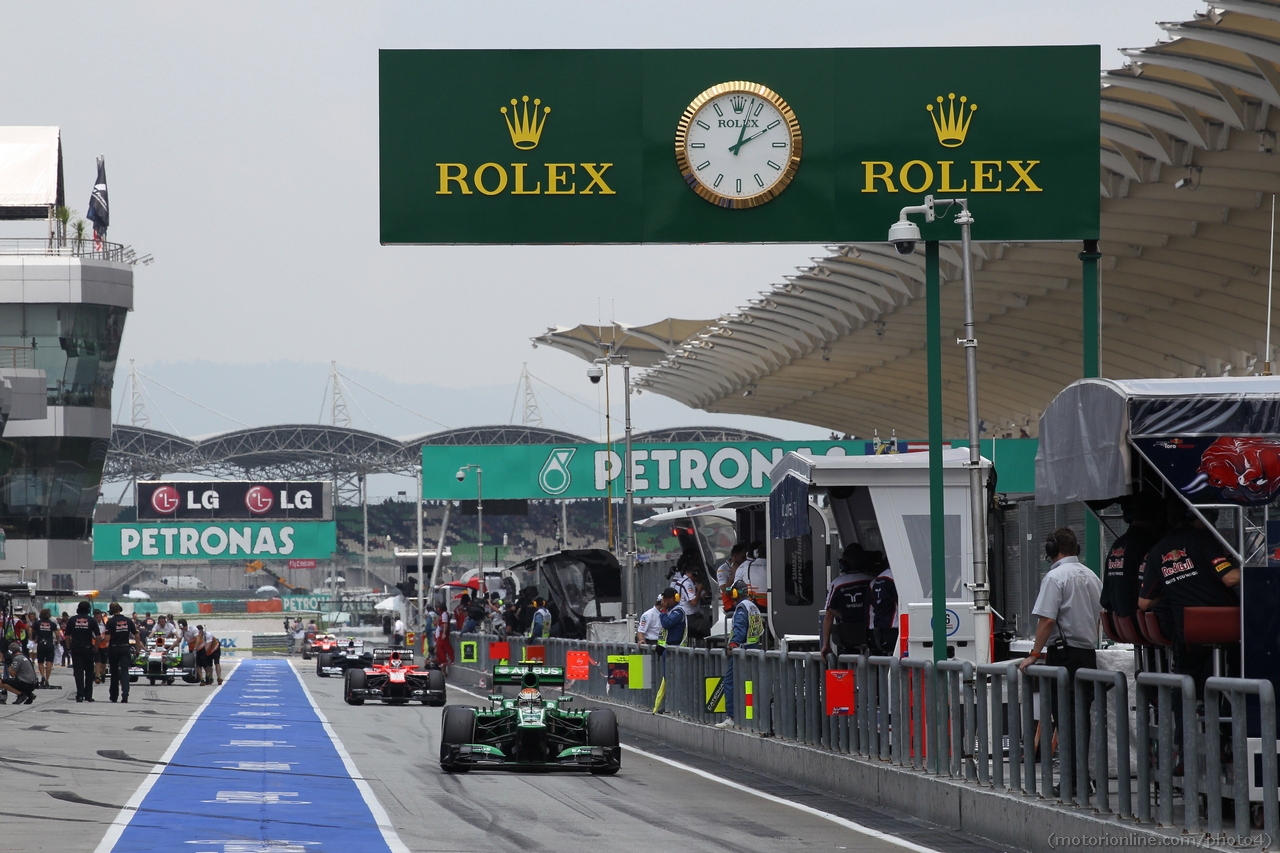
107	777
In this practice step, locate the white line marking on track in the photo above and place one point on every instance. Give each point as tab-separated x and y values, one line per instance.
375	808
836	819
117	828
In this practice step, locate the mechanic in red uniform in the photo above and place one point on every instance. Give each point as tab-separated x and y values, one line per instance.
444	644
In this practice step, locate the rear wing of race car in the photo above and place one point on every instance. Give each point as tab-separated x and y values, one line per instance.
552	675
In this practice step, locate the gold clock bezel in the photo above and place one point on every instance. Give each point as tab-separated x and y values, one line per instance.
712	195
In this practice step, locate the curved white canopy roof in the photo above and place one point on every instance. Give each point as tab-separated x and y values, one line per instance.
840	344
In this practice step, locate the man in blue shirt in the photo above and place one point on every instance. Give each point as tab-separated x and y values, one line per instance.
748	633
673	620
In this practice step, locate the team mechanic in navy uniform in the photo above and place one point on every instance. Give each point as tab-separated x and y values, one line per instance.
674	632
1189	567
123	635
849	599
748	633
81	631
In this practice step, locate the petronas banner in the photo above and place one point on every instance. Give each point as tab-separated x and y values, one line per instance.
697	469
691	146
228	541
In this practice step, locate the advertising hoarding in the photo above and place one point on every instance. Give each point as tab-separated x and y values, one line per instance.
735	145
218	500
200	541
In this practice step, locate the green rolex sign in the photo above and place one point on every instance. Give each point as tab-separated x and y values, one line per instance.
226	541
686	146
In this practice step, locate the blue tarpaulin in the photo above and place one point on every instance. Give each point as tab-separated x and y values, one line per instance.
789	508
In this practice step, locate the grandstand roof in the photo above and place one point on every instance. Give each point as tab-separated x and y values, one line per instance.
299	451
676	435
1183	273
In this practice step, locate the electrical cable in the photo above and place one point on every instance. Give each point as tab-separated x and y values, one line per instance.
393	402
189	400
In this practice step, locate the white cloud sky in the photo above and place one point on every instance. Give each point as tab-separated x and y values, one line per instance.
241	148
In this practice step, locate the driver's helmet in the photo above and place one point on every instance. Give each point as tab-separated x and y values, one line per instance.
394	659
530	696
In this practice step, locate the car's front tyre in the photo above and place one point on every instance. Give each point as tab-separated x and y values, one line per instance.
355	680
457	727
322	662
435	686
602	730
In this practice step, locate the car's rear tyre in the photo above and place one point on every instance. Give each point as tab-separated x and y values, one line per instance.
457	727
435	683
602	730
355	680
322	662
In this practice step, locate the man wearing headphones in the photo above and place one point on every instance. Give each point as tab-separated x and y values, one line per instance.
748	633
1068	607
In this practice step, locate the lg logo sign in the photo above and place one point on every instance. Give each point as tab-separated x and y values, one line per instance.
259	500
176	500
165	500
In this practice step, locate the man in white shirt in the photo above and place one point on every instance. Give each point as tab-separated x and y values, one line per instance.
167	632
755	572
649	628
397	632
727	569
187	635
686	582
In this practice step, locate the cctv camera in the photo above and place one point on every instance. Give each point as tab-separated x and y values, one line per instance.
461	475
594	373
904	234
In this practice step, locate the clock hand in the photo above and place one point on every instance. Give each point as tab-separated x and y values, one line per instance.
742	142
734	148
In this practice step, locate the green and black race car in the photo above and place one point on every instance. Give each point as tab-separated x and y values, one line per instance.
529	732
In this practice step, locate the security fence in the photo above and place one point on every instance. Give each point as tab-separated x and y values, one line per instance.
1191	765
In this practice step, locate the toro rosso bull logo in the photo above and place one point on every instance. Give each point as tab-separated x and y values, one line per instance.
1246	470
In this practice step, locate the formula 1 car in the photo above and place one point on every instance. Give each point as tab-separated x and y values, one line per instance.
156	662
344	657
394	681
314	644
529	732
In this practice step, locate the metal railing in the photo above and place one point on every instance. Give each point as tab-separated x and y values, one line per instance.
69	247
984	725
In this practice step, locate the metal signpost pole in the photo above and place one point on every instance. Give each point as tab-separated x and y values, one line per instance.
1090	323
444	528
480	523
631	528
417	502
937	507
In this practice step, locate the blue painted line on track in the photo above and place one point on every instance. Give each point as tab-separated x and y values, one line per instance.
257	772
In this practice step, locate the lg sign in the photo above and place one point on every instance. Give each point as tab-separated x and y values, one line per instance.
234	500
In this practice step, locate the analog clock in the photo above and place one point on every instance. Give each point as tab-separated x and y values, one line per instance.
738	144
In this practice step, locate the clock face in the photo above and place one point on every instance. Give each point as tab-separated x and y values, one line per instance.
738	144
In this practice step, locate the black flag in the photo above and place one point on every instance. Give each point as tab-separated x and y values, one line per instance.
99	211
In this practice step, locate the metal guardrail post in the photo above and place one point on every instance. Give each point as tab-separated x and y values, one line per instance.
958	721
772	678
1236	689
991	717
1102	683
1053	678
919	730
1165	684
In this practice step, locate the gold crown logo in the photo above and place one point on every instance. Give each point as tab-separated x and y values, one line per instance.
951	125
525	129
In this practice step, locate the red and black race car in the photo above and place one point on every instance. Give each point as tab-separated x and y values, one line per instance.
314	644
395	680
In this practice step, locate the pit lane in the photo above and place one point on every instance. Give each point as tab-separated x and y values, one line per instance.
73	767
